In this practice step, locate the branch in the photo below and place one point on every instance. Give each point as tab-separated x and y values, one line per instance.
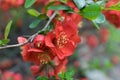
30	39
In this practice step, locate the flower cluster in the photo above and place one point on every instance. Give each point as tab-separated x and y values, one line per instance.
53	48
56	46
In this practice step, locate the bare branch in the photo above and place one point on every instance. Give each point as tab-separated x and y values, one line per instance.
30	39
14	45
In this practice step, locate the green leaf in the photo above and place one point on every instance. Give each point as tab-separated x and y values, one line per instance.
49	4
42	78
52	78
115	6
62	75
100	2
4	42
100	19
1	43
42	16
34	24
91	11
63	1
80	3
59	7
7	30
89	1
29	3
108	63
33	12
69	74
95	63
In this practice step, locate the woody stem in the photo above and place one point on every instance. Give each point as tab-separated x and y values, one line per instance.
30	39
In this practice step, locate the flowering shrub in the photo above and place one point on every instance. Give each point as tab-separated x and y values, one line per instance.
49	48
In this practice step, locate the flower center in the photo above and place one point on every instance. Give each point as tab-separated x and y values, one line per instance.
44	58
62	40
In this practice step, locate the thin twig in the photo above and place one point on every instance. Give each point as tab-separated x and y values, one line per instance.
50	19
30	39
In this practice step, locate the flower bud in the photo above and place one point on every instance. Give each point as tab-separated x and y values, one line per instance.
39	41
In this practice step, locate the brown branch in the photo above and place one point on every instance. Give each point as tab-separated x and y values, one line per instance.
30	39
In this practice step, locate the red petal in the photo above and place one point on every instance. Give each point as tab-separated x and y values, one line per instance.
35	50
49	39
75	39
68	49
21	39
58	52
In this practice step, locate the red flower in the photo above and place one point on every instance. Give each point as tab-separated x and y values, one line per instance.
104	34
5	64
74	16
4	5
35	69
61	67
115	59
32	54
111	15
65	15
92	41
11	76
39	41
63	40
17	3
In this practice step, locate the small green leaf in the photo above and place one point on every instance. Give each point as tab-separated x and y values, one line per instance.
29	3
34	24
108	63
1	43
63	1
100	19
7	30
62	75
49	4
42	78
89	1
91	11
100	2
42	16
4	42
33	12
115	6
69	74
59	7
95	63
80	3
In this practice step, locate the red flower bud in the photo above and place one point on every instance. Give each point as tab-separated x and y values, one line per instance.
35	69
39	41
